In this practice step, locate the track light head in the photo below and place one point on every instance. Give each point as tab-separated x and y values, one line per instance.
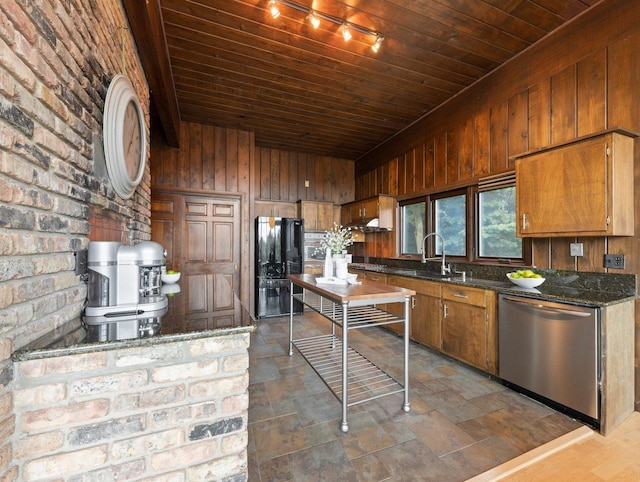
273	8
376	46
346	32
315	21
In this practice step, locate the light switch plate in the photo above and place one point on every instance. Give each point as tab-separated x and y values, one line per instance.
576	249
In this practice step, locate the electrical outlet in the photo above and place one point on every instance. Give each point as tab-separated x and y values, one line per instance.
82	256
576	249
614	261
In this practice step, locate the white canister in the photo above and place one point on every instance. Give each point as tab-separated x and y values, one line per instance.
341	267
328	265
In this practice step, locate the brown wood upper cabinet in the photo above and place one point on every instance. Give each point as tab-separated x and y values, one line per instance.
381	207
317	215
583	188
275	208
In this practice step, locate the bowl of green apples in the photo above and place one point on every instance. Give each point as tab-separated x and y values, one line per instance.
170	276
525	278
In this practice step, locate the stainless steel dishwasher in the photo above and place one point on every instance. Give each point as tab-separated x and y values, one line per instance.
551	350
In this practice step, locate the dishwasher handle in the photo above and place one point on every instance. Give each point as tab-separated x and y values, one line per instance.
547	309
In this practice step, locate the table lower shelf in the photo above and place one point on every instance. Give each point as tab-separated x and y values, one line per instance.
358	316
365	380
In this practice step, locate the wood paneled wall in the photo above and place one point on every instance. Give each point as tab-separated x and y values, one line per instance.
209	159
281	176
583	79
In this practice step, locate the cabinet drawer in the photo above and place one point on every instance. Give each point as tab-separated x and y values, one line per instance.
429	288
462	294
379	277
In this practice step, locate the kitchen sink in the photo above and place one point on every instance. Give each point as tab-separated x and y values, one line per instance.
418	273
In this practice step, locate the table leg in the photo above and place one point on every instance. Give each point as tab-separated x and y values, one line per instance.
345	368
405	405
291	318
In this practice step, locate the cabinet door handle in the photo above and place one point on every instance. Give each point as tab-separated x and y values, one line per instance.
444	311
524	222
413	302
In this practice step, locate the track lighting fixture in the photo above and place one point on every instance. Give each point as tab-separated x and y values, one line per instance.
376	46
314	17
315	21
346	33
273	8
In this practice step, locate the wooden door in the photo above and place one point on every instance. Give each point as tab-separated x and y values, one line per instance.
211	238
209	302
202	237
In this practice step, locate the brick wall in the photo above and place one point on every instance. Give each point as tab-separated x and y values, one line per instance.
174	411
56	61
57	58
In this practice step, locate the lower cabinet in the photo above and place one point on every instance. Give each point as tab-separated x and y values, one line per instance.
426	320
469	326
424	326
459	321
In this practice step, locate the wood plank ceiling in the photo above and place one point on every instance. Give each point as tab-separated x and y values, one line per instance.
297	88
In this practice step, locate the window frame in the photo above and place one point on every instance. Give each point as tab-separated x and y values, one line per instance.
472	220
526	258
401	224
431	208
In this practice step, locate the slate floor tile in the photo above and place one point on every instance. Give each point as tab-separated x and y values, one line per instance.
324	462
278	436
461	422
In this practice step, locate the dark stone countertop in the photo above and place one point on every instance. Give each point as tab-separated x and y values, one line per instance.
580	288
176	324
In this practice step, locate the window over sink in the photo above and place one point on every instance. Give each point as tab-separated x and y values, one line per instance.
497	224
478	223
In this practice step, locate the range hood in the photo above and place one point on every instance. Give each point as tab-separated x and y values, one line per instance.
367	225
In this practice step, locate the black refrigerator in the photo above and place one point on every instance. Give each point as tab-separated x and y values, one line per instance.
279	252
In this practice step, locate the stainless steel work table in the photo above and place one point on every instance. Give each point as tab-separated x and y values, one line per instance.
351	377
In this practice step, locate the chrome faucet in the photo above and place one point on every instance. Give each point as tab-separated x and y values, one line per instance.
444	269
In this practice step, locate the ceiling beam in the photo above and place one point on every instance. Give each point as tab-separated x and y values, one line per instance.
145	18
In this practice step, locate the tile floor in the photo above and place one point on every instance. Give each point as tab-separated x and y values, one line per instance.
461	422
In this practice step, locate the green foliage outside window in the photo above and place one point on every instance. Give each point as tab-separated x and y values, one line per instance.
413	228
451	224
497	222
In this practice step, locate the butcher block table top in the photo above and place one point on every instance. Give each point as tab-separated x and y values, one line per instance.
365	293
